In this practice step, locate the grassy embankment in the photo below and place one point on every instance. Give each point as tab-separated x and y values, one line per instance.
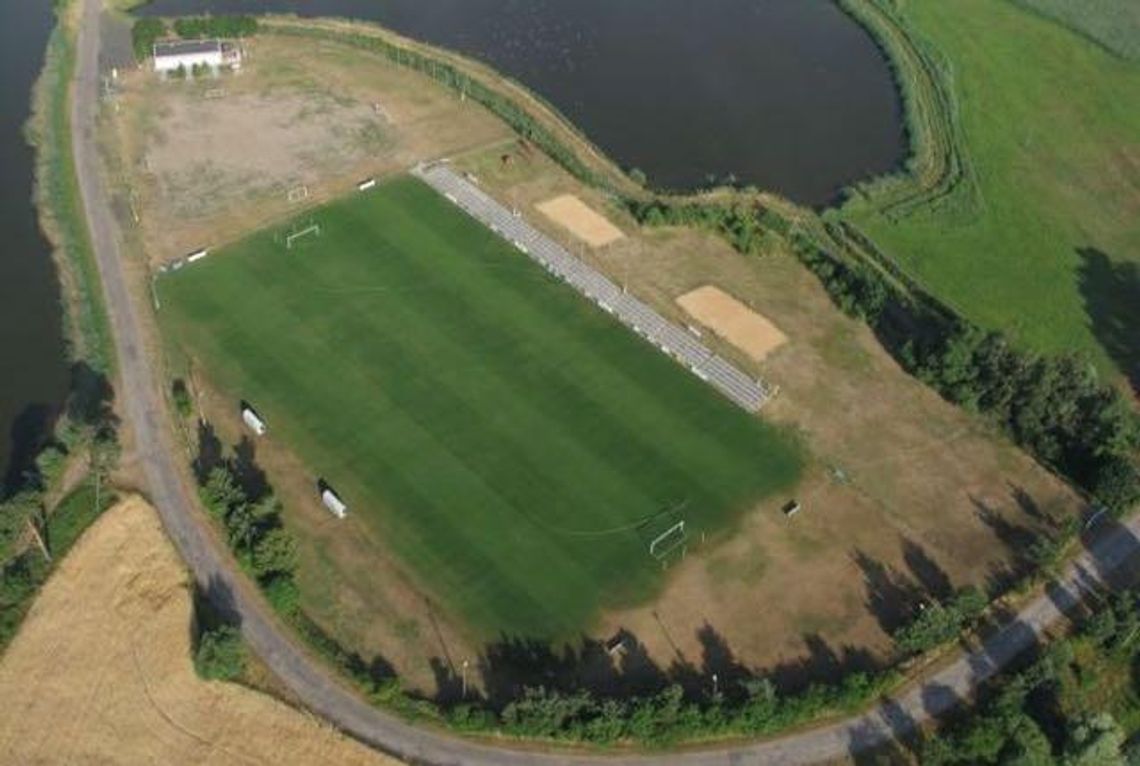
58	199
515	446
1050	124
84	448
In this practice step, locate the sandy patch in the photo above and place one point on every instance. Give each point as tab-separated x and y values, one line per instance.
580	220
101	670
750	332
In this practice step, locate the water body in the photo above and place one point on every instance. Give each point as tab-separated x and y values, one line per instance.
33	372
789	95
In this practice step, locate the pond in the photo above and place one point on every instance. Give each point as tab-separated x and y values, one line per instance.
33	372
789	95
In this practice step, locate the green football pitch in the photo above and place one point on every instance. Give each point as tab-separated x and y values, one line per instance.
515	446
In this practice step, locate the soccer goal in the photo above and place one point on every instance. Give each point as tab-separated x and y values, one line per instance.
668	541
665	535
298	193
312	231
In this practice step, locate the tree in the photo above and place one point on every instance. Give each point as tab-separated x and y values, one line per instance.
1095	740
275	552
1117	484
221	654
144	34
221	492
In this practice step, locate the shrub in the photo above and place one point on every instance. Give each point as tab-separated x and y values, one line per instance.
144	33
183	403
220	654
939	623
193	27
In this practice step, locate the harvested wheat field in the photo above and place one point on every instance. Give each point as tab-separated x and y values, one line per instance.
732	320
580	220
101	670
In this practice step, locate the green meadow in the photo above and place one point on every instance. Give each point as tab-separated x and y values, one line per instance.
1046	243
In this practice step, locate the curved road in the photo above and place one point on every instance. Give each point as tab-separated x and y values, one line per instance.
167	479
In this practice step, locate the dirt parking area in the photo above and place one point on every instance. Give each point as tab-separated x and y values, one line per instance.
101	670
206	161
747	330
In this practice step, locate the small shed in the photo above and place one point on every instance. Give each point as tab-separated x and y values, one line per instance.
335	505
253	420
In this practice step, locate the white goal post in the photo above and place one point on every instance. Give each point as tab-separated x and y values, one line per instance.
668	541
298	193
313	230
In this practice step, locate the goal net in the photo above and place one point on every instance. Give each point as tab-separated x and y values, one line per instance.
665	535
296	237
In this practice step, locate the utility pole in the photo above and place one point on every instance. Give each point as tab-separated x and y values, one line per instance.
464	679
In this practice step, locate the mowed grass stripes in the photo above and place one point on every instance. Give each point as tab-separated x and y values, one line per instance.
503	435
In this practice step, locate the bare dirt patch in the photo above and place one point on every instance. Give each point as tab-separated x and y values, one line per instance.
580	220
200	163
744	328
103	674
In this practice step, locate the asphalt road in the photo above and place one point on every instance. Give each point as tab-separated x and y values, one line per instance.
168	482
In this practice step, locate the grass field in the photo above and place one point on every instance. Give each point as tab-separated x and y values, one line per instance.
502	435
1115	24
1052	130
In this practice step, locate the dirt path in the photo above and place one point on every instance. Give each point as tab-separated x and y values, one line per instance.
103	673
208	559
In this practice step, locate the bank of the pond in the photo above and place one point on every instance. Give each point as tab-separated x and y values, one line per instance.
787	95
60	208
33	380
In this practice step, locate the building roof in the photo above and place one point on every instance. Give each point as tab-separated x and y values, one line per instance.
186	47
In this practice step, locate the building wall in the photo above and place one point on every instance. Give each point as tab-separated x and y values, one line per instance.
189	60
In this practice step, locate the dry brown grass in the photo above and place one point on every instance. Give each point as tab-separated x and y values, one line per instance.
208	161
101	671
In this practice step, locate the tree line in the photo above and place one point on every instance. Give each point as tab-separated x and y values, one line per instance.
1063	709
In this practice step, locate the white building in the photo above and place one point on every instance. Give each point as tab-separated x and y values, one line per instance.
188	54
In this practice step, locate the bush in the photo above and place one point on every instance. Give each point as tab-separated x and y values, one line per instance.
939	623
220	654
193	27
183	403
144	33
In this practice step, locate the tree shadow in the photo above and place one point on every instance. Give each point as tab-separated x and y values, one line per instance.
1019	539
252	480
91	400
892	596
29	434
210	453
931	577
1111	293
1113	549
